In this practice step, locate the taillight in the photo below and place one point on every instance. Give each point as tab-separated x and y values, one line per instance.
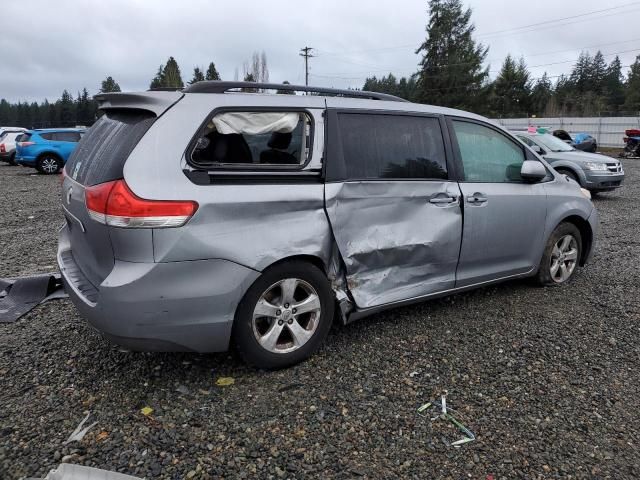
26	144
2	148
114	204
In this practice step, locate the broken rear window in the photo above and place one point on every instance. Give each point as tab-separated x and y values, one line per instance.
260	139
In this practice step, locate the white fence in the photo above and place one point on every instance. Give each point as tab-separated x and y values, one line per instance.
608	131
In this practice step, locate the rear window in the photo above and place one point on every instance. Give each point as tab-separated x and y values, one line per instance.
23	137
101	154
377	146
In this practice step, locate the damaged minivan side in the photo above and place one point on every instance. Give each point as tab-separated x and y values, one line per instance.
225	212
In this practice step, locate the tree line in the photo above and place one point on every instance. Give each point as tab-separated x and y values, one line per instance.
452	73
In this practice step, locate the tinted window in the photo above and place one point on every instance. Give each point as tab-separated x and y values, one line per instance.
48	136
101	154
67	136
253	138
392	146
487	155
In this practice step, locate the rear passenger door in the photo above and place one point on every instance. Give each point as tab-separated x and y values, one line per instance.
504	216
393	208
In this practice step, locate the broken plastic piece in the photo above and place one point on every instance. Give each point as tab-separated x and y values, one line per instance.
69	471
445	415
78	434
225	381
146	411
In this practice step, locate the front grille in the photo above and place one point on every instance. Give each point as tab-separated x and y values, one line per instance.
614	167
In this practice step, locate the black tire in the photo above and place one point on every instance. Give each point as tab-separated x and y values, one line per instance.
544	276
244	335
49	164
12	159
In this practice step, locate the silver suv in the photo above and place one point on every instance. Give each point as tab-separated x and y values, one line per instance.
226	212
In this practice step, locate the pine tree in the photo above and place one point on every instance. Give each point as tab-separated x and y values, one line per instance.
541	95
512	88
598	73
171	75
66	110
198	76
451	71
212	73
156	82
632	97
109	85
613	85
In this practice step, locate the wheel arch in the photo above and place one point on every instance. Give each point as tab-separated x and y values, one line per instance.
312	259
49	152
586	235
573	168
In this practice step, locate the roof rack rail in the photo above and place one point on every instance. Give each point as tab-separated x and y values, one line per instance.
217	86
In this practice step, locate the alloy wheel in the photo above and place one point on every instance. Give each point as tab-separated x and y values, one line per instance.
564	258
49	165
286	315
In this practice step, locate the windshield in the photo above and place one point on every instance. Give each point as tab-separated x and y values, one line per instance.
554	144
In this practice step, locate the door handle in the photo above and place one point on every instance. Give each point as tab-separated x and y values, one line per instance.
476	198
442	200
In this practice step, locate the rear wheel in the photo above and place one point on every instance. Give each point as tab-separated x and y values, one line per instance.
12	159
48	164
561	255
284	316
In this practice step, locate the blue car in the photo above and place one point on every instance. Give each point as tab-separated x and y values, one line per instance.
47	150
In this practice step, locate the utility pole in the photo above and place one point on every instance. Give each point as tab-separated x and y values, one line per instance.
306	53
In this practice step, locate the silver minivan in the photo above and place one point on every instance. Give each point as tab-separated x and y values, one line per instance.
226	211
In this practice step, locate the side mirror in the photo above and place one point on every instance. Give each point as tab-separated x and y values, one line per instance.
537	149
533	171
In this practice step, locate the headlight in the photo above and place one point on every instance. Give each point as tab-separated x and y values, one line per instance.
596	166
586	193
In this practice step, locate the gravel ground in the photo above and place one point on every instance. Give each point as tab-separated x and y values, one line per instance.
546	377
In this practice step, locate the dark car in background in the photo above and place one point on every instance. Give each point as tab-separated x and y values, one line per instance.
47	150
580	141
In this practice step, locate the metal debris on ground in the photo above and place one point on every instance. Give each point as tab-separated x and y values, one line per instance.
18	296
79	433
445	415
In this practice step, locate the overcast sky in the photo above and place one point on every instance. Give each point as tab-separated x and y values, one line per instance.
47	46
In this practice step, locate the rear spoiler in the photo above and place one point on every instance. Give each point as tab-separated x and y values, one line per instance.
155	102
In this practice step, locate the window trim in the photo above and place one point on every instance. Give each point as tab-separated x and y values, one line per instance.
527	154
256	168
334	156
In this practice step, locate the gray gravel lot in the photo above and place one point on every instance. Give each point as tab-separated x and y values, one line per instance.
546	377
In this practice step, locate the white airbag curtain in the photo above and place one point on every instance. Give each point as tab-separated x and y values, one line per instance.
255	123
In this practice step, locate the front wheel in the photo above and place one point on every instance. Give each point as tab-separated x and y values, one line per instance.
561	255
48	164
284	316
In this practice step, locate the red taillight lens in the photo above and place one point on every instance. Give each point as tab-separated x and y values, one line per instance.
2	148
26	144
113	203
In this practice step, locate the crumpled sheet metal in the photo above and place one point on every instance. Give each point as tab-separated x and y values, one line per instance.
68	471
394	243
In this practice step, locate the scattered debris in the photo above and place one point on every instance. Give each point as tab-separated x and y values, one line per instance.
78	434
146	411
225	381
445	415
19	295
102	435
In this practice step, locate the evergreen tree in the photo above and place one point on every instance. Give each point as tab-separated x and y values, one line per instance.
66	110
109	85
613	85
198	76
451	71
512	88
632	97
598	74
541	95
85	111
212	73
156	82
171	75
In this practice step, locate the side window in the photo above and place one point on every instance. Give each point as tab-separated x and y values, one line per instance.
281	139
392	146
487	155
48	136
525	140
67	136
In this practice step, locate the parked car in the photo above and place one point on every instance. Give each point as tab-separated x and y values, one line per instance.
580	141
8	137
47	150
597	173
199	216
631	144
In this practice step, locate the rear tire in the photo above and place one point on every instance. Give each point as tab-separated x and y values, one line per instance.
49	164
270	329
561	256
12	160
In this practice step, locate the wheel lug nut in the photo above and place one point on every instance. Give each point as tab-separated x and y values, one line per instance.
278	312
286	305
280	322
290	321
293	311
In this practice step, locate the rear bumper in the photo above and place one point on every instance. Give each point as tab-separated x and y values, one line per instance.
176	306
605	181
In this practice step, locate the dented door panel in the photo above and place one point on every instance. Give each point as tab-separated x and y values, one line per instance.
395	243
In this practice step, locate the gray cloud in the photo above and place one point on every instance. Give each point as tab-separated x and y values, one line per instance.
47	46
